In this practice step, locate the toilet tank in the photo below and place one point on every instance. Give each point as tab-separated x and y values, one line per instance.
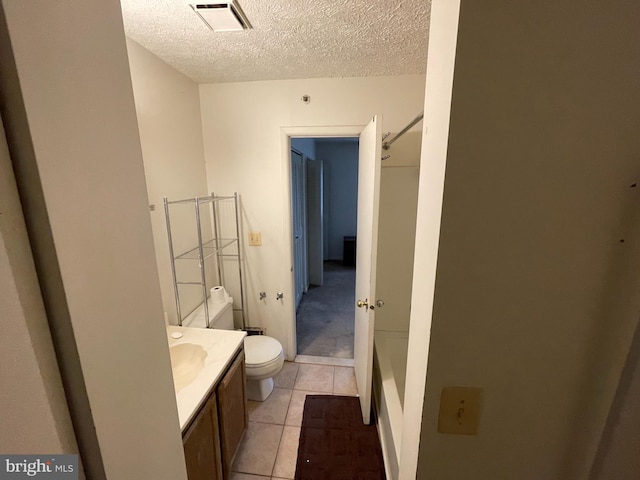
221	315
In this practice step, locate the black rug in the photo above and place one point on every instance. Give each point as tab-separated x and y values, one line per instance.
335	444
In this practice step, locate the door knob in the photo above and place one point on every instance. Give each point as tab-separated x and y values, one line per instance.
364	303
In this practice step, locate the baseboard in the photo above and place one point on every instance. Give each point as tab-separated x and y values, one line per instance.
337	362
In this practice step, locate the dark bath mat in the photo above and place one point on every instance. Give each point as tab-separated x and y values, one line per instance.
335	444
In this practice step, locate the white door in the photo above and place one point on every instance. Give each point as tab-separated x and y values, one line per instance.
315	235
366	254
298	216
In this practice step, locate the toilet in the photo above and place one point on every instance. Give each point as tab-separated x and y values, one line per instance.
264	356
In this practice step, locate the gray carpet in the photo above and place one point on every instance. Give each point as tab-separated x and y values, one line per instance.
325	317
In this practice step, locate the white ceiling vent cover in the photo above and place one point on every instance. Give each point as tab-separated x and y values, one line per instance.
222	16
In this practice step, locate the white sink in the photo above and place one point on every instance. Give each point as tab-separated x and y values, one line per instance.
187	359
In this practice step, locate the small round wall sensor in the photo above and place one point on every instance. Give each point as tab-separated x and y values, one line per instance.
306	98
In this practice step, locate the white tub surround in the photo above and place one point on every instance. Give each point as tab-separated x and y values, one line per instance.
221	347
389	372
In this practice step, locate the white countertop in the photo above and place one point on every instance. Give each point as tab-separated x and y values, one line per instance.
221	347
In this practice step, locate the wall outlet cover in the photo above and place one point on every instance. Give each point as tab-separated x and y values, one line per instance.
255	239
460	409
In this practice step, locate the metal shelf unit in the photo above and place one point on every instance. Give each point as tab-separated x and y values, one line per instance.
218	246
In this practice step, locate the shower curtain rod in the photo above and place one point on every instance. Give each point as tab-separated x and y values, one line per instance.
388	143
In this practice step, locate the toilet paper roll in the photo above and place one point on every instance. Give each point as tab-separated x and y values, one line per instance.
218	294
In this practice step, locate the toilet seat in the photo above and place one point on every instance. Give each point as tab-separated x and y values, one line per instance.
264	356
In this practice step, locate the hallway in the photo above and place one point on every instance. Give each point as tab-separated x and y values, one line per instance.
325	317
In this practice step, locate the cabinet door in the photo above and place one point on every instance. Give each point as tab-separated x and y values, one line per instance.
232	411
202	446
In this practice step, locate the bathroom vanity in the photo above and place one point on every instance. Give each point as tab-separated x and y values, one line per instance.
209	376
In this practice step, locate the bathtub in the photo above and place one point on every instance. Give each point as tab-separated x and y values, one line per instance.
389	371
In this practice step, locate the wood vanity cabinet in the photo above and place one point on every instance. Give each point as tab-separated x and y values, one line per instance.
202	444
214	435
232	411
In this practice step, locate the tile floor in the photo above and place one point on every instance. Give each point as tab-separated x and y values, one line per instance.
270	446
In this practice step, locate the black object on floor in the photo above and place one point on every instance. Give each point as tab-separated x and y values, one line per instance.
349	251
335	444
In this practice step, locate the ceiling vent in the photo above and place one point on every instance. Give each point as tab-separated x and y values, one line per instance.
222	16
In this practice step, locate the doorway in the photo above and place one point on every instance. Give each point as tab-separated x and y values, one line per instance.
324	183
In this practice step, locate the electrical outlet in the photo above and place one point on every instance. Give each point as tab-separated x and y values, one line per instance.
255	239
460	410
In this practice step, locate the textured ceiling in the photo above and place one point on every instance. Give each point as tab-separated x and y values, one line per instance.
289	39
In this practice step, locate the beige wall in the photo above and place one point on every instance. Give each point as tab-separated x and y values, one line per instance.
35	418
443	26
242	136
168	111
71	126
537	293
618	451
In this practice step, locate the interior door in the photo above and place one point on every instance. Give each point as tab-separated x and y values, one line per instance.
298	217
315	234
369	163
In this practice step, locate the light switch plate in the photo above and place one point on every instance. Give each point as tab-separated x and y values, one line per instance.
255	239
460	409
